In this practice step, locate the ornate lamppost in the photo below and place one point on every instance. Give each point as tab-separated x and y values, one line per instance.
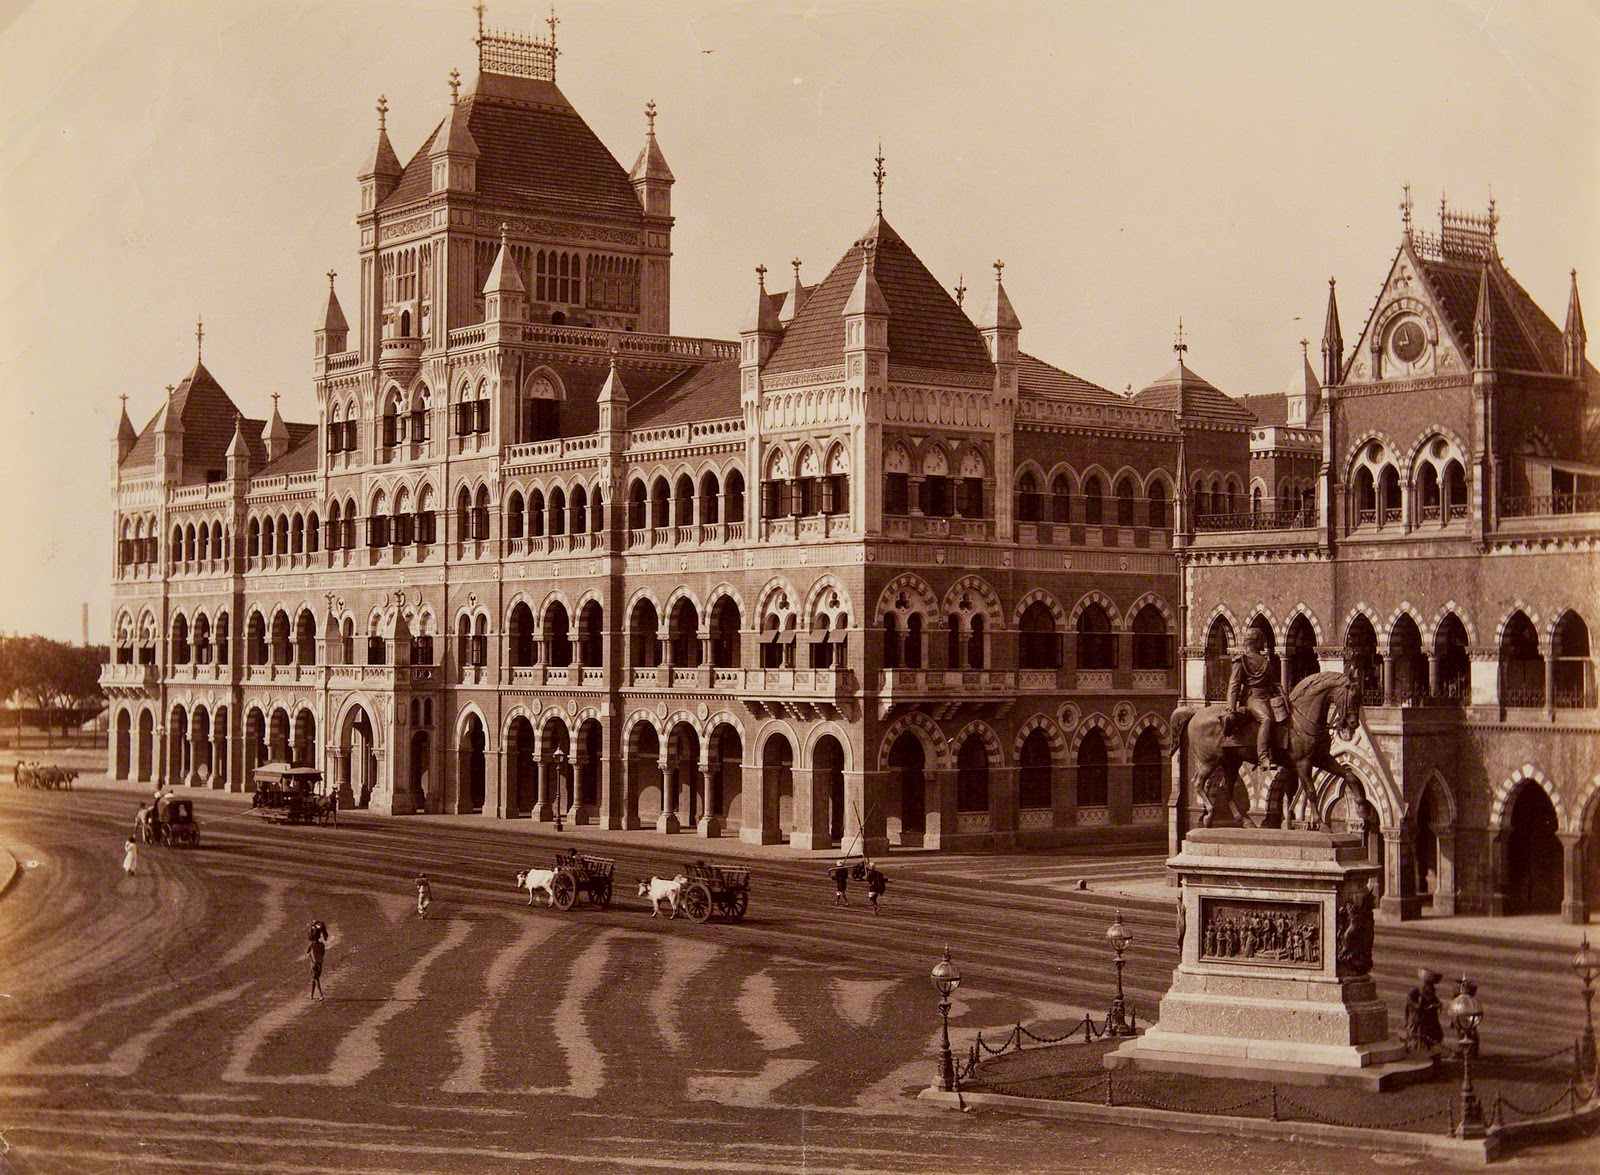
1119	936
946	978
560	760
1467	1014
1586	964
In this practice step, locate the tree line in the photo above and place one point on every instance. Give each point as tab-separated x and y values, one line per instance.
53	683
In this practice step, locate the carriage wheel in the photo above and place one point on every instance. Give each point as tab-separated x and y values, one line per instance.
166	836
564	890
738	902
600	894
697	902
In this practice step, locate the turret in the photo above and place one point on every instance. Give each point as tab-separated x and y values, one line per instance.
453	159
651	177
238	453
333	336
169	441
1304	397
1483	326
613	402
503	291
998	323
126	436
791	304
276	434
1332	342
762	332
1573	340
381	172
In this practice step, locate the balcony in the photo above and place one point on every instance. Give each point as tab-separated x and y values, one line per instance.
400	357
128	677
944	691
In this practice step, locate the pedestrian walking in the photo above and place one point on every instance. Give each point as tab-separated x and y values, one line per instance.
876	884
841	880
130	856
317	947
424	895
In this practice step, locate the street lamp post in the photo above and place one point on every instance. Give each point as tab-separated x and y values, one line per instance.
1586	963
1468	1014
946	978
560	759
1117	1019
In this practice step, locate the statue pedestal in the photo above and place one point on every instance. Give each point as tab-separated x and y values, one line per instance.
1273	983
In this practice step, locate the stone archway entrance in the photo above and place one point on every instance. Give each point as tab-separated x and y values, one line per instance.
1533	855
827	781
124	746
908	788
522	781
472	774
358	759
422	770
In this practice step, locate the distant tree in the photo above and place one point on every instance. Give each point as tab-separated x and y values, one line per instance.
58	680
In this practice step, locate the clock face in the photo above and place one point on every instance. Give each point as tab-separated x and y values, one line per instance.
1408	341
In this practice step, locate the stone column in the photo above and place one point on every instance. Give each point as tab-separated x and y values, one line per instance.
710	825
1400	901
191	776
1496	879
1550	683
671	778
1433	674
1574	909
939	808
1389	679
544	811
614	808
1003	806
863	800
805	833
761	802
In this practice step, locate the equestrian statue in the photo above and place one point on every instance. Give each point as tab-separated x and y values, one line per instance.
1292	738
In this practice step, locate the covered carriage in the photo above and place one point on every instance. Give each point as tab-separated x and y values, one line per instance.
294	795
171	821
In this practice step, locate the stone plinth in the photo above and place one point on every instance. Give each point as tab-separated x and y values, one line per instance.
1261	990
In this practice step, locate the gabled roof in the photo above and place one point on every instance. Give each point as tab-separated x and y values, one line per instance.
704	393
1524	337
926	327
1035	377
1269	409
1188	394
207	415
534	150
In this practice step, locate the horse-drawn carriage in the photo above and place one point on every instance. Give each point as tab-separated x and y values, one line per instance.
725	888
170	821
579	873
294	795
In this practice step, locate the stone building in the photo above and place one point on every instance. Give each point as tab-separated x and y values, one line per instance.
869	574
1448	553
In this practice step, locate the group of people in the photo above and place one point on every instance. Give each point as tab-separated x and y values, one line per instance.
1424	1030
863	870
1262	936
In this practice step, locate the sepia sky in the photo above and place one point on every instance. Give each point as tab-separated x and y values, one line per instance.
1131	163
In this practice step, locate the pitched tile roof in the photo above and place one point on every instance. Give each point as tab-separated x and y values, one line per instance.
535	151
1271	408
703	393
926	327
1525	339
207	415
1035	377
1184	392
302	456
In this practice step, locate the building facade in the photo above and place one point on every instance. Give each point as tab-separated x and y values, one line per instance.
869	574
1447	554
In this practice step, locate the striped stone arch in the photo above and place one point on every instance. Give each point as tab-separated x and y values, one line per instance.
935	746
1040	595
1449	607
757	747
1587	799
1226	613
553	596
1406	608
915	587
769	591
1062	469
586	714
815	595
1161	604
1556	613
636	719
379	727
1444	800
1521	605
1097	721
519	710
683	592
723	590
1301	609
1266	613
1031	466
643	592
1391	451
1052	732
983	595
1462	453
1105	601
1155	722
1372	789
673	720
1361	610
1506	790
840	735
985	733
722	717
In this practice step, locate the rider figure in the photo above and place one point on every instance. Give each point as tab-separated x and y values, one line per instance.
1255	682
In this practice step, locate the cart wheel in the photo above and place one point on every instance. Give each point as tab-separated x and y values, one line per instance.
697	902
600	895
564	890
166	837
738	903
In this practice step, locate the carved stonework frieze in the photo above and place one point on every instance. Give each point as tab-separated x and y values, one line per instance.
553	228
1268	933
404	228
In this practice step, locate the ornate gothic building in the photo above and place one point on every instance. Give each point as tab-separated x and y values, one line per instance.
870	570
1428	514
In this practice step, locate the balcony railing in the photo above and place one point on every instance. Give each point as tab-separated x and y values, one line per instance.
1546	505
1298	518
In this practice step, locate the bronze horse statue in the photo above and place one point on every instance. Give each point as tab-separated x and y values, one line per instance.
1212	746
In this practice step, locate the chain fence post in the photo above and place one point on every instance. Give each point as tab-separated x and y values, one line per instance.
1110	1100
1275	1103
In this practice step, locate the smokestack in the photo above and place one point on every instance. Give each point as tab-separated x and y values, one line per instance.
86	624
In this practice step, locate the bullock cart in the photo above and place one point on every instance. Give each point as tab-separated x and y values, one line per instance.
579	873
724	888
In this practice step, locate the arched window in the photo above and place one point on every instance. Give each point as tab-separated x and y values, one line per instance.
683	634
1149	764
536	513
1093	501
913	641
1410	663
180	640
480	514
1573	670
1454	492
557	636
660	503
644	636
638	506
735	496
1366	497
578	510
1097	647
519	636
1038	641
1300	651
558	510
1219	648
464	514
1389	495
254	539
1060	499
281	645
1125	501
1156	505
683	501
893	652
1361	647
1028	498
1428	493
972	776
591	635
725	624
514	515
1152	643
1034	783
976	651
1094	771
305	638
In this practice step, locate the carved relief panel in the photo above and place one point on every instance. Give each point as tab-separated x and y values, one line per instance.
1276	934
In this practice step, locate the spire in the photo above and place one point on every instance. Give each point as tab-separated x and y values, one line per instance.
997	312
651	177
383	165
503	277
238	455
865	296
613	401
877	174
1304	394
199	340
1573	339
333	320
961	288
126	436
1483	325
791	304
1332	342
765	319
1405	211
276	434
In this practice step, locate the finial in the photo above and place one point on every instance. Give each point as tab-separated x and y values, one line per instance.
124	396
761	277
479	9
504	229
650	118
1444	207
383	112
1494	217
455	85
1304	344
552	20
331	276
795	261
998	266
961	288
1178	345
170	388
877	174
199	337
1405	209
275	402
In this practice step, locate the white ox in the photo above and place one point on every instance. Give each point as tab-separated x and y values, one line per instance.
535	880
663	889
